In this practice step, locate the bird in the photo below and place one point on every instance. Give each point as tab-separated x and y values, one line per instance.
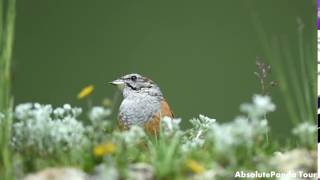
143	103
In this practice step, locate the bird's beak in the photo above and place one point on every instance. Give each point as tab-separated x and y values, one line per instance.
118	82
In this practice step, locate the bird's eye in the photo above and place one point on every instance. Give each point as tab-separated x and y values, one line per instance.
133	78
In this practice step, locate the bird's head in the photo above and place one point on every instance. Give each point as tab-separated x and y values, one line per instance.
136	83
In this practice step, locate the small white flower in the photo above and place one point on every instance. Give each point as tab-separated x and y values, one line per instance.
241	132
304	129
67	106
264	103
222	137
45	130
76	111
59	112
37	105
260	107
192	144
306	133
170	125
198	132
21	110
203	122
133	135
98	113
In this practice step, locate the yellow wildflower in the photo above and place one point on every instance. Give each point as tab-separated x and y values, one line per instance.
86	91
195	167
104	149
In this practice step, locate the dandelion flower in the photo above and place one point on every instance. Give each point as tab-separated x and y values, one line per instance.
104	149
86	91
195	167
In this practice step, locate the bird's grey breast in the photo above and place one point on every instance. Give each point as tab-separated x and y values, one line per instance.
138	109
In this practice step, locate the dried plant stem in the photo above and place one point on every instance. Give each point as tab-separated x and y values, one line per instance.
296	81
263	89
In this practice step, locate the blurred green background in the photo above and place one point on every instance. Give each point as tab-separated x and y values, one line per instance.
201	53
